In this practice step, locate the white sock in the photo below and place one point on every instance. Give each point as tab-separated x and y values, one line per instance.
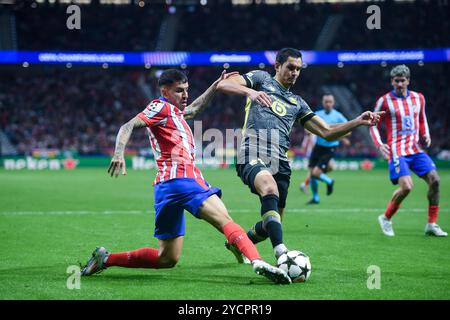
279	250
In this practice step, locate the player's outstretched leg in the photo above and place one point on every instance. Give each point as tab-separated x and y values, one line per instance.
140	258
150	258
96	263
256	234
272	273
267	189
237	254
213	210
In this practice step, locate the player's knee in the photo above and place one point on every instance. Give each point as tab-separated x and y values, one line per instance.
316	172
406	188
268	186
435	183
271	189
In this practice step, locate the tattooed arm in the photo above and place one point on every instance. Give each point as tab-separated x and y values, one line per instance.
201	102
118	160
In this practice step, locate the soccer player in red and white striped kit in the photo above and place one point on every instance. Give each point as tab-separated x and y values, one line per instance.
407	133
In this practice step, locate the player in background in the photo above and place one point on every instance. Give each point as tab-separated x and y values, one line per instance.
309	140
406	129
179	184
323	152
270	113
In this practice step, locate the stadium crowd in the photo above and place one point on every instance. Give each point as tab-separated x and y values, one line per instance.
81	109
215	26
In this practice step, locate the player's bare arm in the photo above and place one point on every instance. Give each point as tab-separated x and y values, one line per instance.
385	151
118	161
426	141
319	127
203	100
236	85
425	138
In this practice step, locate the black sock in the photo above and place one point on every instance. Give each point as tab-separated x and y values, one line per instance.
257	233
269	203
275	233
271	218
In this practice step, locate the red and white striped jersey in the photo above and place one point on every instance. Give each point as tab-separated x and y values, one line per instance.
405	122
172	142
309	140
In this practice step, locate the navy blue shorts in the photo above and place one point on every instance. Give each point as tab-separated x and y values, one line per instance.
172	197
419	163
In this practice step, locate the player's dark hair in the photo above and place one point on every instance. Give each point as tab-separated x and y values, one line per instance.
170	76
285	53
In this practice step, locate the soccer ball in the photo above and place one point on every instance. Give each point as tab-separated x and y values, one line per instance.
296	264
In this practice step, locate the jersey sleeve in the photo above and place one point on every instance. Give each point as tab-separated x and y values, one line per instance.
154	113
305	113
255	78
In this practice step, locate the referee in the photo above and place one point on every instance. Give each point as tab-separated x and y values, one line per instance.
324	150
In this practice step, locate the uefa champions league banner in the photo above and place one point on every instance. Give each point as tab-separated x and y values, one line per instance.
220	58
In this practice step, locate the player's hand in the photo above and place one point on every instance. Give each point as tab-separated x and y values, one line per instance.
261	98
370	118
224	75
426	141
385	151
117	164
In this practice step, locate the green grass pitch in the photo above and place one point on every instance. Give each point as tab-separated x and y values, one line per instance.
51	220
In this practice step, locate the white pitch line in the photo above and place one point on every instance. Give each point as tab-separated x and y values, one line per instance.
74	212
140	212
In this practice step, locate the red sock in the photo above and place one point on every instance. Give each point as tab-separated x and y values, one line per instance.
307	181
140	258
391	209
433	212
237	236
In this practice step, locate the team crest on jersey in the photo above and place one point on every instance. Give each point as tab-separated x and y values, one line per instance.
153	108
271	88
155	105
